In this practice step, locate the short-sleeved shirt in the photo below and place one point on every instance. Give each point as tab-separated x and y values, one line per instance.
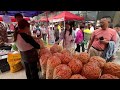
108	34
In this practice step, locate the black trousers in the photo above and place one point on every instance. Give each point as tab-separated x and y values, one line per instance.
78	47
44	36
57	38
31	70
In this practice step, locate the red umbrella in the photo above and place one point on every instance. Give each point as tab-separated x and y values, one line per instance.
44	19
14	20
1	19
68	16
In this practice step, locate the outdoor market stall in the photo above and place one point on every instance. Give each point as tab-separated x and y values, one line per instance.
66	16
7	18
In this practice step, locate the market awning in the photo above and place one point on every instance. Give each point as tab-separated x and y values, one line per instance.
43	19
24	13
65	15
12	18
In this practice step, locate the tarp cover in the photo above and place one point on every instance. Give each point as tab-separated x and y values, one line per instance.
65	15
24	13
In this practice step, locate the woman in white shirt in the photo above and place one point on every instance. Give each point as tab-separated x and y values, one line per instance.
44	32
90	26
28	49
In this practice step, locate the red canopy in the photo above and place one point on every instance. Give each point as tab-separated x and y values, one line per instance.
14	20
1	18
44	19
68	16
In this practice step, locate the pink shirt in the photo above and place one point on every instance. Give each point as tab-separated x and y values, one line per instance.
109	34
79	37
67	40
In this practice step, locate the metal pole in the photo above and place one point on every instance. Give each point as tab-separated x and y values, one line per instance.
86	16
97	17
64	24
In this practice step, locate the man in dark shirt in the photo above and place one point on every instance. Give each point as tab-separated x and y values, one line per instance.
18	17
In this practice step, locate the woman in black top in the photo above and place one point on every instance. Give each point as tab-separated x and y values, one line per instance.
27	47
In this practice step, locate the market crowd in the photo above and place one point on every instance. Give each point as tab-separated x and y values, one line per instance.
104	40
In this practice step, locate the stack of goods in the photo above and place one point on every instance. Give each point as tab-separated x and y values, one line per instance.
4	52
51	64
14	61
64	65
55	48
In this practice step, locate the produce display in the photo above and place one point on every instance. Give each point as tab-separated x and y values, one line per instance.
84	57
14	47
66	58
91	71
43	63
44	51
76	56
64	51
51	64
62	71
77	76
62	64
59	55
55	48
75	65
112	68
108	76
98	60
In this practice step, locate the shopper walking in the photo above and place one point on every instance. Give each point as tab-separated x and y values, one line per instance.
38	31
117	28
51	39
91	27
27	47
79	39
67	36
44	32
100	38
56	32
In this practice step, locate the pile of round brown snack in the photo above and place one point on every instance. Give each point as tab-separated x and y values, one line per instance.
61	64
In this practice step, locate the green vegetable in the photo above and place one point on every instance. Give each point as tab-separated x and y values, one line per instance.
14	47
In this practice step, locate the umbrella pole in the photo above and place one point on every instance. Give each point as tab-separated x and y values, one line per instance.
64	25
52	25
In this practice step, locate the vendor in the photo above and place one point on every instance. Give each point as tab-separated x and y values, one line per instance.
28	49
18	17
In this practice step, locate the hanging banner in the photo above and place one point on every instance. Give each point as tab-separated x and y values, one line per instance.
6	19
